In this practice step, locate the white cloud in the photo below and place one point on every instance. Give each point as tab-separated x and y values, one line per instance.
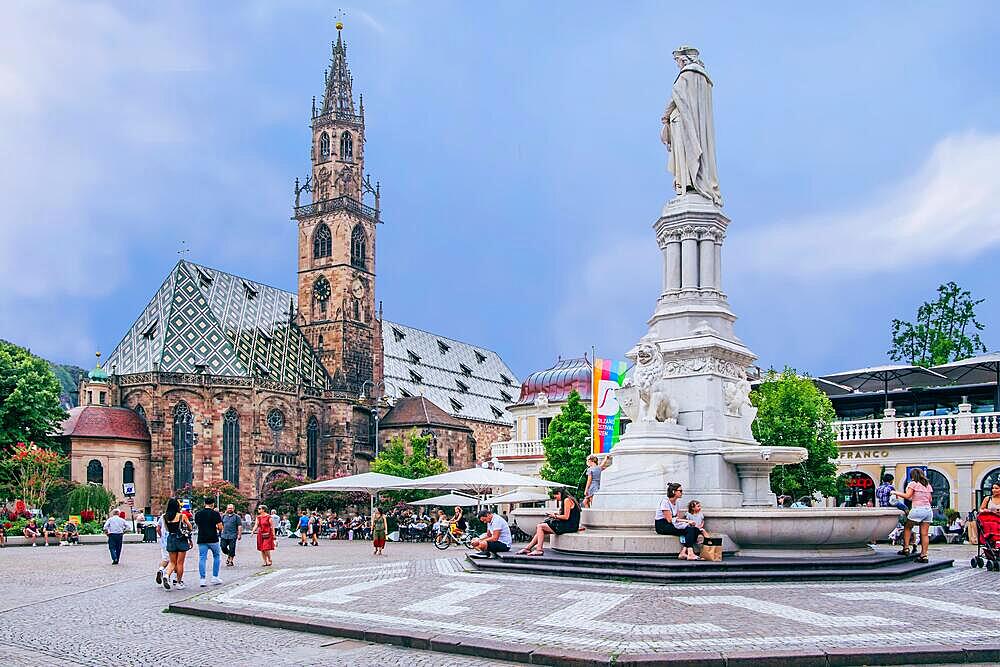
944	212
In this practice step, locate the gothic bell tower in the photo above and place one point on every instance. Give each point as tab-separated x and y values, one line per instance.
336	235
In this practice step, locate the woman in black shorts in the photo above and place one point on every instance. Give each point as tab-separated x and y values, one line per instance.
566	521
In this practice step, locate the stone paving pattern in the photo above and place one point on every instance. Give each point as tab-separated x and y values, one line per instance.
68	605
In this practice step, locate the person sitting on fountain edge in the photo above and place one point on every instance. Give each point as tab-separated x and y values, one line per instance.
567	521
497	537
667	521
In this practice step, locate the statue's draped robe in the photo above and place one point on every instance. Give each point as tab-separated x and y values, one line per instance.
690	134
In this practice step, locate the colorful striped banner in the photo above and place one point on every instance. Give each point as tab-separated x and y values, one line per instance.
607	427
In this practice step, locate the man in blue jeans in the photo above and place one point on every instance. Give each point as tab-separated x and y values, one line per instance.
209	523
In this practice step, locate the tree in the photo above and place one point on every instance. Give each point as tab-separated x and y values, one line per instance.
791	411
92	498
30	409
394	460
277	495
567	444
225	492
30	471
945	330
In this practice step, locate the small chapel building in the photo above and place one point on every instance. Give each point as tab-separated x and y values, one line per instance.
235	380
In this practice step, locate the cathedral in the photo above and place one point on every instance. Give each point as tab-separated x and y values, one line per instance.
230	379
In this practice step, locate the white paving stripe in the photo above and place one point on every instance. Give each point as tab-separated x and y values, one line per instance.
952	577
445	604
333	569
784	611
922	601
751	642
583	614
320	580
344	594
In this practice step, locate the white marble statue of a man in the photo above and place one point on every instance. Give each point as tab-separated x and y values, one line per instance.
688	129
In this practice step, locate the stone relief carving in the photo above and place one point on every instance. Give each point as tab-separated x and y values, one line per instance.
541	400
698	365
737	396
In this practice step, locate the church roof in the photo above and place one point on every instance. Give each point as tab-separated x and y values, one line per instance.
98	421
202	319
467	381
418	411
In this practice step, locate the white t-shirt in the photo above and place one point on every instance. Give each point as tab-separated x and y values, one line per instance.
162	525
498	523
665	505
115	524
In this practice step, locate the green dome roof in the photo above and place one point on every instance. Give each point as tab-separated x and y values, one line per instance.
98	374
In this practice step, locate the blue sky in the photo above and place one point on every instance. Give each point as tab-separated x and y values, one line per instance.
517	146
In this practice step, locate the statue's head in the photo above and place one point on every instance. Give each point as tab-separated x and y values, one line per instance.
685	55
644	354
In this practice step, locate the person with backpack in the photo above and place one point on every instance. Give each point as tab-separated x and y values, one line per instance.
178	542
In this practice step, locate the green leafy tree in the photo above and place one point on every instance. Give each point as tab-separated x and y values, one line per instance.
567	444
225	492
30	470
395	460
30	408
945	329
792	412
93	497
277	495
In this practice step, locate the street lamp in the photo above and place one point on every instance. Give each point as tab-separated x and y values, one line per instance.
362	397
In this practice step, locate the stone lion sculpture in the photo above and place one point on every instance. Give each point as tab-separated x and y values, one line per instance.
645	395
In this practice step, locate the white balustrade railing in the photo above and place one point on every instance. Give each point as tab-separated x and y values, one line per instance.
518	448
933	426
924	427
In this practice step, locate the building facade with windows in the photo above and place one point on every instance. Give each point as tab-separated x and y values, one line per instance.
542	395
240	381
950	430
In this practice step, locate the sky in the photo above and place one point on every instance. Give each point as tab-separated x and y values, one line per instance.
517	146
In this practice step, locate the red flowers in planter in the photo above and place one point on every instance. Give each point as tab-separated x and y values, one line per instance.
86	515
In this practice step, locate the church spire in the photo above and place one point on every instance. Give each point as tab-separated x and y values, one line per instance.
338	96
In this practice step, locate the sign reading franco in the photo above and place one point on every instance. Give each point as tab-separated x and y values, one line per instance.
864	454
607	427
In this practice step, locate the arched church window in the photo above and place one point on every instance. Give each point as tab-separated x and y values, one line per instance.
322	242
324	146
231	447
359	247
128	473
346	146
312	448
276	422
183	442
141	411
95	472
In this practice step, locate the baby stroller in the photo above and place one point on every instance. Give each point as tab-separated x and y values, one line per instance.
988	552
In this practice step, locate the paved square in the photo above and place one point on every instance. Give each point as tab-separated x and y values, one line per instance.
68	605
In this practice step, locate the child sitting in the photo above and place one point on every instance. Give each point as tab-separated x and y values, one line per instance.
695	516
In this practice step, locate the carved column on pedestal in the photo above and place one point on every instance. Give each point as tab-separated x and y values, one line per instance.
672	263
718	260
706	260
689	258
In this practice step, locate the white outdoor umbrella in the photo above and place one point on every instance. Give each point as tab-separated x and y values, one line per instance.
476	480
368	482
447	500
975	370
515	497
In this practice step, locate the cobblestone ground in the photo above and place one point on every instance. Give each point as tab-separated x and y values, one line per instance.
69	605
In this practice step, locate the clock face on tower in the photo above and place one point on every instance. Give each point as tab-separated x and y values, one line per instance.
322	289
358	288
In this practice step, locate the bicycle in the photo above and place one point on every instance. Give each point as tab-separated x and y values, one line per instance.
446	539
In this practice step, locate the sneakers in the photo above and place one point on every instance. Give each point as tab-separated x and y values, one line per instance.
202	583
159	576
216	581
179	585
164	580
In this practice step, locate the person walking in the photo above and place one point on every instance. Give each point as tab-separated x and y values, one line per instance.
178	543
314	528
232	531
161	536
115	528
265	535
594	477
209	523
919	491
303	527
380	528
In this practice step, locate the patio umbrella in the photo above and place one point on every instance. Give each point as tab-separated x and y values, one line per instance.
368	482
897	376
476	480
975	370
516	497
448	500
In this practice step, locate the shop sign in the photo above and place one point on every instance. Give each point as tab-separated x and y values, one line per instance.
864	454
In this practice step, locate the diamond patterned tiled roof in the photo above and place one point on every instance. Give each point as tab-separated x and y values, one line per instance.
464	380
224	324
